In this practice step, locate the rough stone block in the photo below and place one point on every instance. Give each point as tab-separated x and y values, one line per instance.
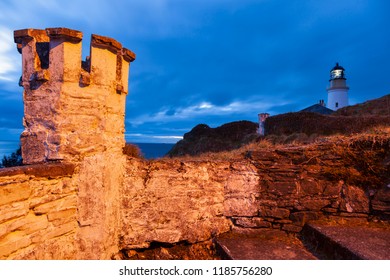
332	189
28	224
33	223
251	222
354	200
310	187
47	171
10	226
61	248
65	203
62	229
53	232
33	147
291	228
240	207
13	210
282	188
275	212
244	183
51	189
13	242
330	210
11	175
46	198
288	202
64	214
314	204
285	221
268	202
42	109
13	193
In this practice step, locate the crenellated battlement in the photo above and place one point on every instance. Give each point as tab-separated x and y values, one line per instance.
69	101
44	47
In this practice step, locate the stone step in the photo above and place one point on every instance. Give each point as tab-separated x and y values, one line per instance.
261	244
348	242
316	241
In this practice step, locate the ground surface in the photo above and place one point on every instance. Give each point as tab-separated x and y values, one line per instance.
262	245
366	242
317	241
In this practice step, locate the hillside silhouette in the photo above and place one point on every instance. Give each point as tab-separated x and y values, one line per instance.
203	138
347	120
285	128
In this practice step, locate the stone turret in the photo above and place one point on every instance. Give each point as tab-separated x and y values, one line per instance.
72	108
74	112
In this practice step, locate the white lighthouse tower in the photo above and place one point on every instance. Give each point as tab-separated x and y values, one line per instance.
338	89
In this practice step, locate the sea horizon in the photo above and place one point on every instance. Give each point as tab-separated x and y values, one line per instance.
153	150
148	150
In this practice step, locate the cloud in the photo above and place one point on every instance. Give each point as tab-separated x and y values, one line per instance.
207	109
141	19
150	138
170	137
9	58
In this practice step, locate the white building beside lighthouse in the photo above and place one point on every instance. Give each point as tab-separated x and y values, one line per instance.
338	89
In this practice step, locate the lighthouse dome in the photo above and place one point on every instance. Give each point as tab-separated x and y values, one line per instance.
337	72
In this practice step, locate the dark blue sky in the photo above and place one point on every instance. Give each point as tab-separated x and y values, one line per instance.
203	61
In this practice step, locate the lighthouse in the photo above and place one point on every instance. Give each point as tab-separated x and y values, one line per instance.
338	89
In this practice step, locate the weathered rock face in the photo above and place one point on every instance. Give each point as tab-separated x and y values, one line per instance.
38	215
202	138
172	201
99	181
242	190
312	182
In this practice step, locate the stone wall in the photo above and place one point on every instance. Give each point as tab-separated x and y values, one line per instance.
172	201
38	206
291	186
61	210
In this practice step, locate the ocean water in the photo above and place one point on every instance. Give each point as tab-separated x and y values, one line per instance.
154	150
149	150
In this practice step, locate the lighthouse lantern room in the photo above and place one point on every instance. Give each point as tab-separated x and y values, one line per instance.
338	89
